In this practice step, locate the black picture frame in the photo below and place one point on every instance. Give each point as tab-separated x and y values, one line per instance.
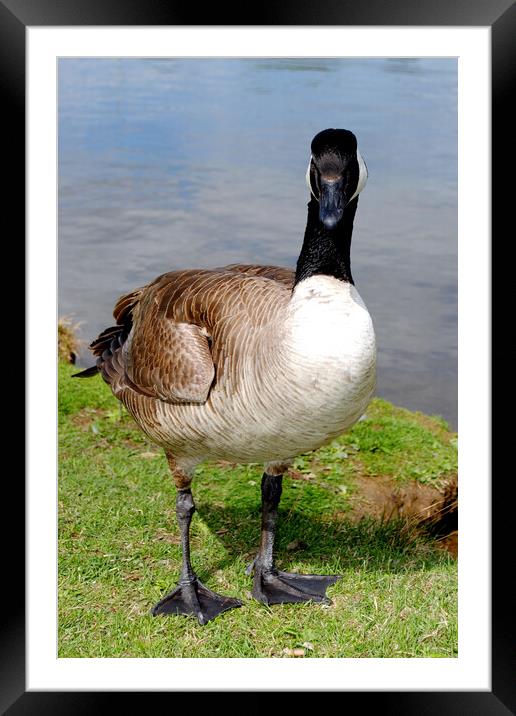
500	15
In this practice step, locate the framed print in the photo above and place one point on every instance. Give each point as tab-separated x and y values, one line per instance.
49	43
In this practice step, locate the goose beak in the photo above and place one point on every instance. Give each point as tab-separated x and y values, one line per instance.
331	202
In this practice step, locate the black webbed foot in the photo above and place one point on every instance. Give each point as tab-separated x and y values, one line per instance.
276	587
194	599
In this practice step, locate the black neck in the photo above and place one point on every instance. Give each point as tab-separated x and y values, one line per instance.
326	251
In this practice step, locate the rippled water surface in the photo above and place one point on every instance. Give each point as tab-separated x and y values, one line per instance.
174	163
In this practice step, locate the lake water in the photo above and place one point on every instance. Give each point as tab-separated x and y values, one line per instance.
175	163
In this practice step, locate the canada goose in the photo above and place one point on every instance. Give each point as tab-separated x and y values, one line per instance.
251	364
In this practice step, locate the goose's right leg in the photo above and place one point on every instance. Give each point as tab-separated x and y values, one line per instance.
271	585
190	597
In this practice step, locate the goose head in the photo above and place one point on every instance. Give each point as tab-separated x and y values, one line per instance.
336	173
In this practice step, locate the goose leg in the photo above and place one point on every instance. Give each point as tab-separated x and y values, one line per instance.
271	586
190	597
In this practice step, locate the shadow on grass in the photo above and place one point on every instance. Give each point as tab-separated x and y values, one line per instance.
370	544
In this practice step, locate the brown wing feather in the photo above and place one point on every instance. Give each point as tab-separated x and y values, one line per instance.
177	336
167	359
276	273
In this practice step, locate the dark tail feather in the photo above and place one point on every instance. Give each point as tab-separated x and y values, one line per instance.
87	373
110	340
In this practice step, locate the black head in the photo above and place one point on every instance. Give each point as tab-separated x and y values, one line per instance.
336	173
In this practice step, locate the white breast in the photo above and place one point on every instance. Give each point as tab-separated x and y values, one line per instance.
330	369
327	316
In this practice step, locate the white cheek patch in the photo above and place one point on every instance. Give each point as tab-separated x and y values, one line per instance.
309	183
362	175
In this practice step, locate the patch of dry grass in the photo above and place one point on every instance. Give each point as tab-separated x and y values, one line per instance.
68	344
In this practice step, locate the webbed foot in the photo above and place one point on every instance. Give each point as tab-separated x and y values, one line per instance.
276	587
194	599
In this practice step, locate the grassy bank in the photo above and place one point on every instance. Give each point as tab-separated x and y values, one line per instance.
119	543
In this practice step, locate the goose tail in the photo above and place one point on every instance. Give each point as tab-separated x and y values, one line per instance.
87	373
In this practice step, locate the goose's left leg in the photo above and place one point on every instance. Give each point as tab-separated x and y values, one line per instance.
270	585
190	597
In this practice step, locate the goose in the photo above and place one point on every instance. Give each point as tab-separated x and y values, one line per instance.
251	364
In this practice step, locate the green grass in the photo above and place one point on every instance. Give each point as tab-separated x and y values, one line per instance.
119	543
